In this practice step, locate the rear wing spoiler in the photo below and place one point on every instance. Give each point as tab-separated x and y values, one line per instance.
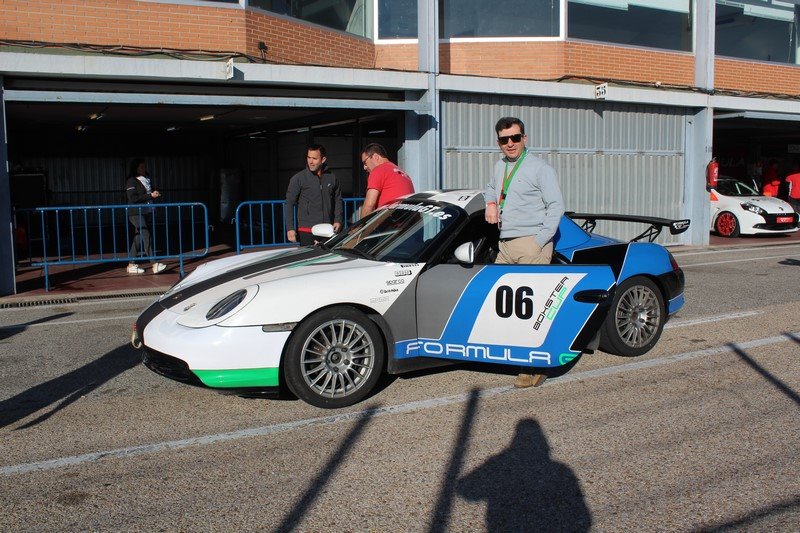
651	233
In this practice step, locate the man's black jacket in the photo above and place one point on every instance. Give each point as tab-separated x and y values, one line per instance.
318	200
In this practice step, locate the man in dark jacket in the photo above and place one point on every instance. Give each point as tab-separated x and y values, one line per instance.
317	195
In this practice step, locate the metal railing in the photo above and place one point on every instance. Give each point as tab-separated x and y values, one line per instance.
261	224
54	236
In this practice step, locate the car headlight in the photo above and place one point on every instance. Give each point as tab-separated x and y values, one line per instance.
226	305
754	209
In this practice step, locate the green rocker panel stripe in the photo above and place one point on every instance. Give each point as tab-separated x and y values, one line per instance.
239	377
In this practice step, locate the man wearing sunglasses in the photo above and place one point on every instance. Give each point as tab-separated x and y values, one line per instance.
524	199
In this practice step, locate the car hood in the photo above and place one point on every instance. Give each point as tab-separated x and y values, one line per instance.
231	273
306	278
770	204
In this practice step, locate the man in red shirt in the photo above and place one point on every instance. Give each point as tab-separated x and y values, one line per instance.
386	182
794	187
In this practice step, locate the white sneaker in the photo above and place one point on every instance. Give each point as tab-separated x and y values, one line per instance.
135	269
158	267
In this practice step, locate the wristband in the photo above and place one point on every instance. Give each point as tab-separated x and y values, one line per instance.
490	203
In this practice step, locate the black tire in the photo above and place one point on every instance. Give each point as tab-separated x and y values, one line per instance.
636	319
334	358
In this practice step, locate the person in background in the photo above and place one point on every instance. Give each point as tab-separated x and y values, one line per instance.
316	193
793	179
386	181
524	199
140	192
771	180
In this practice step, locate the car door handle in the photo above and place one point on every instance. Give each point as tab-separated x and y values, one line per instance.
593	296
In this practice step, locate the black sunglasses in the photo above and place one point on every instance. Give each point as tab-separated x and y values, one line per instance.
503	139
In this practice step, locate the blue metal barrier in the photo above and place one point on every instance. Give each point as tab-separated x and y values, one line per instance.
53	236
261	224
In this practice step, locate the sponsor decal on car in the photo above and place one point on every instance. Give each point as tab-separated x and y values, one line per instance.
476	352
430	210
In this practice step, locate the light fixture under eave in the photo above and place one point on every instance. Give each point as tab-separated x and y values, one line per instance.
373	132
173	128
96	116
207	117
81	127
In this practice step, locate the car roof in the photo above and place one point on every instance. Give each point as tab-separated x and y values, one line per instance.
470	200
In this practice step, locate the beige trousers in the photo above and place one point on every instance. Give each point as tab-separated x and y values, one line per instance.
524	251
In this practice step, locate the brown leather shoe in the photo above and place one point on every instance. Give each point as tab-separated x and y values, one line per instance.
524	381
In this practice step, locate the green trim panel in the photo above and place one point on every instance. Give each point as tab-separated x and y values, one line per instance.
239	377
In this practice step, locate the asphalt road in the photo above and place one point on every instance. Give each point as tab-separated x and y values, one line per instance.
702	433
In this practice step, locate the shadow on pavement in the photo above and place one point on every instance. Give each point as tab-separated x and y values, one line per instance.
67	388
318	484
444	503
9	331
525	489
778	384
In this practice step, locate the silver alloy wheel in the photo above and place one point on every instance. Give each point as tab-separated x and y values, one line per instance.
337	358
638	316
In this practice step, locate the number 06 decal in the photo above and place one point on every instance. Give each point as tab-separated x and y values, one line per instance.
508	301
520	307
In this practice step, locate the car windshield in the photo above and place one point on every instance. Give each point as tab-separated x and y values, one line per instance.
404	232
734	187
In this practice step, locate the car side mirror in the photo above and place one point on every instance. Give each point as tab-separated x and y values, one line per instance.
323	230
465	253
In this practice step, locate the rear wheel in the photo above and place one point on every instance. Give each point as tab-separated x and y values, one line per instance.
637	316
334	358
727	225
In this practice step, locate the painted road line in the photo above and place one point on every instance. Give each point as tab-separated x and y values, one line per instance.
783	256
710	319
678	253
274	429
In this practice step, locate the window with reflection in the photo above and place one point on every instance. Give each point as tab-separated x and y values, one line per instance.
478	18
760	30
665	24
397	19
351	16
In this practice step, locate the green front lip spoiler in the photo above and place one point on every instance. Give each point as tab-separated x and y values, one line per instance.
239	378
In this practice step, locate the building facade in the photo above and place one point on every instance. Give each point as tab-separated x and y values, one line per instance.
628	100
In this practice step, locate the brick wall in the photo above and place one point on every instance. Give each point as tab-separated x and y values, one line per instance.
156	25
123	22
397	56
753	76
547	60
634	64
295	43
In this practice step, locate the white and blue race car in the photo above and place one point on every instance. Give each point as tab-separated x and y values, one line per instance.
410	286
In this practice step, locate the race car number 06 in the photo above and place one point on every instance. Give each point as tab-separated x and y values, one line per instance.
508	301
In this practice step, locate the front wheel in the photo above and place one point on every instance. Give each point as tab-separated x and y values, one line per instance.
727	225
334	358
637	316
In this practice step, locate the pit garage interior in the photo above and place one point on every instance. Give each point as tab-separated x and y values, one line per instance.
746	141
70	154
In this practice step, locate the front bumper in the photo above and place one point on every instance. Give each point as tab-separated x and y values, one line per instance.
228	358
